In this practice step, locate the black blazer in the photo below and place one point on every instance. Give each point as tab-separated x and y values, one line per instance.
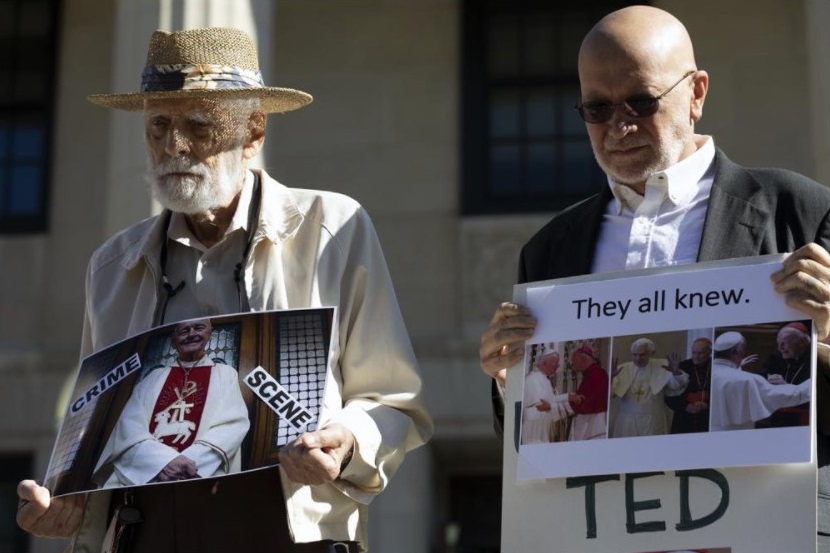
751	212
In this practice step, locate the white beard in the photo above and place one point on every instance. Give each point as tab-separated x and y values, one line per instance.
203	189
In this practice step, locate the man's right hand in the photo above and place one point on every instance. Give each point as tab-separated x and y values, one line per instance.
180	468
502	343
41	515
776	379
543	406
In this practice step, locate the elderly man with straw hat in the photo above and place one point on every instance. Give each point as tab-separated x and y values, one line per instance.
233	239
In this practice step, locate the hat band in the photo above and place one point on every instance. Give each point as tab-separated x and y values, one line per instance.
163	78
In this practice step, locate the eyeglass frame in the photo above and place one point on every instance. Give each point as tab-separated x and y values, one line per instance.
580	106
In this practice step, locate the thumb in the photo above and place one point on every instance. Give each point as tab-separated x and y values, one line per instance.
324	438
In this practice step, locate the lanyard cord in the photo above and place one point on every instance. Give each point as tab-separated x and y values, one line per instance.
253	220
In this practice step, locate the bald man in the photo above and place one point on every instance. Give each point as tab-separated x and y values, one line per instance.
672	196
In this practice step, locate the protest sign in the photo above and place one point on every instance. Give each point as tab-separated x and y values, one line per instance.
198	398
621	481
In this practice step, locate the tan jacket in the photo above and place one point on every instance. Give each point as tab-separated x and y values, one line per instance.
311	249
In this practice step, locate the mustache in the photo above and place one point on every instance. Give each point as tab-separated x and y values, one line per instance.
179	165
615	145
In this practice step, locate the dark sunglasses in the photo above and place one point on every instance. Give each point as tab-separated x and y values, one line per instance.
638	106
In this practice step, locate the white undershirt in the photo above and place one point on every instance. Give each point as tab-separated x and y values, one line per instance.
663	227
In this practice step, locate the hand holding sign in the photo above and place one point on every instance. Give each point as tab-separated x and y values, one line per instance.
804	279
316	457
502	344
42	515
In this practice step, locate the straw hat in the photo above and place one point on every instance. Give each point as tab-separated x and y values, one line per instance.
204	63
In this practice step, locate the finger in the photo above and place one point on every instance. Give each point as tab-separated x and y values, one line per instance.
510	332
496	362
509	309
334	435
34	502
70	509
801	271
75	513
308	467
811	255
819	311
30	490
60	520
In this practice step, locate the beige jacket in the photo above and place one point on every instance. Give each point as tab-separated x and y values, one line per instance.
311	249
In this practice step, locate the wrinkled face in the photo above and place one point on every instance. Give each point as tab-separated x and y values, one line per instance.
194	149
791	343
641	355
701	353
191	338
629	148
550	364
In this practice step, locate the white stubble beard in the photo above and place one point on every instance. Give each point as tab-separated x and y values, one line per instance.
668	150
206	190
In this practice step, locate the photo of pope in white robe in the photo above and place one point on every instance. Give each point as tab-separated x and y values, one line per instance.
543	404
741	398
182	421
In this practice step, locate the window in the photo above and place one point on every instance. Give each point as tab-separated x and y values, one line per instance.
13	469
524	146
28	30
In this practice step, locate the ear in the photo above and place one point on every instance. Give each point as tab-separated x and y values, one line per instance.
700	86
256	135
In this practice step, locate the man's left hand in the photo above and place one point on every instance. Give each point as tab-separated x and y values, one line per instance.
315	457
804	279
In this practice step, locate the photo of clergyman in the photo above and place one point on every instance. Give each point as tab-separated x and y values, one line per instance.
762	376
660	383
565	396
185	419
193	399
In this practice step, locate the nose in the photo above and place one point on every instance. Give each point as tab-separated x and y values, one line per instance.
621	124
176	144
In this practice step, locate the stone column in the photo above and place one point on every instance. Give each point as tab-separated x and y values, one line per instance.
128	197
817	43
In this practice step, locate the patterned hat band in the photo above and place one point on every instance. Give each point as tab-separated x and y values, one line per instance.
161	78
214	62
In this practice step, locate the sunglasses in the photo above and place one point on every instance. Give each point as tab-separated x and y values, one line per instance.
637	106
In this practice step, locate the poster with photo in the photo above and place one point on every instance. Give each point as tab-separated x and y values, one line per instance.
684	364
196	398
649	406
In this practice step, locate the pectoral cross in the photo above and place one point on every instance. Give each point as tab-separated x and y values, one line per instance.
179	408
639	393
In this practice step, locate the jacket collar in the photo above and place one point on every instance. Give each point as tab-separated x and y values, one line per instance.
736	215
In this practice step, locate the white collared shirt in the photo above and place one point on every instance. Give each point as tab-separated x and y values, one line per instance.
662	227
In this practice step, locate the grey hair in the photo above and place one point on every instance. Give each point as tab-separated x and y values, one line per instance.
643	342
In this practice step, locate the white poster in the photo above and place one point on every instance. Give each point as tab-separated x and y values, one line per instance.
633	387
